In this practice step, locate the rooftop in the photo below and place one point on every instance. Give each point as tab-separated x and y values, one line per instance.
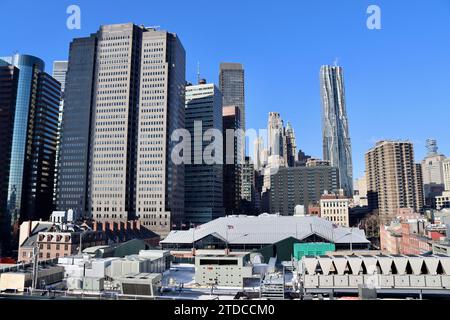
267	229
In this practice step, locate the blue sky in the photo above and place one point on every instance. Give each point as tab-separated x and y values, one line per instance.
397	78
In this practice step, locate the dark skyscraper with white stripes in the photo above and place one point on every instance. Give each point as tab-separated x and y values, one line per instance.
336	139
124	98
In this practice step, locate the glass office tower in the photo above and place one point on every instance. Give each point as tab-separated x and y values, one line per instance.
29	69
9	76
33	143
203	181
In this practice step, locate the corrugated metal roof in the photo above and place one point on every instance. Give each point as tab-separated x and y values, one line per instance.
267	229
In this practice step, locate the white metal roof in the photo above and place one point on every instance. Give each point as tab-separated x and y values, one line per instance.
267	229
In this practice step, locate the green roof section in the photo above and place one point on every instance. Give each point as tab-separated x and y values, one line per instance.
312	249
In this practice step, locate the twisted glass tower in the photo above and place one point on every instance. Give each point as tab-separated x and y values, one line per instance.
336	139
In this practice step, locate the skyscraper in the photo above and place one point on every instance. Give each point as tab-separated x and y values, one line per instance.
231	84
232	169
59	73
248	187
9	76
76	128
275	134
394	180
33	142
203	181
289	146
433	173
336	138
130	102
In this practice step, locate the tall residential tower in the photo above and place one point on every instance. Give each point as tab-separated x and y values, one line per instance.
394	180
336	138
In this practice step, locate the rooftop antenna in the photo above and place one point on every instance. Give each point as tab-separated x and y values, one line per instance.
336	61
198	72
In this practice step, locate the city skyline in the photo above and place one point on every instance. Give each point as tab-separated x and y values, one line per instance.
380	64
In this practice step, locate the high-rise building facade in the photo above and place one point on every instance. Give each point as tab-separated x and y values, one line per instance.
446	173
76	128
394	180
203	200
40	161
336	138
289	146
275	134
231	84
248	181
433	173
292	186
59	73
131	102
9	76
33	143
232	169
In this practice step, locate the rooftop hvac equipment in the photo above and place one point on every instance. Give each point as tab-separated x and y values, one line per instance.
340	263
385	264
355	264
370	263
400	263
445	263
432	264
310	264
416	263
325	263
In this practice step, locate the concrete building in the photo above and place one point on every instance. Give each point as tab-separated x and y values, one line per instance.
393	179
443	201
433	174
360	192
335	208
203	200
446	173
132	99
336	137
232	169
33	141
22	279
300	186
228	270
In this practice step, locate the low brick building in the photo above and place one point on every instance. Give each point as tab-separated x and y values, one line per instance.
54	240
